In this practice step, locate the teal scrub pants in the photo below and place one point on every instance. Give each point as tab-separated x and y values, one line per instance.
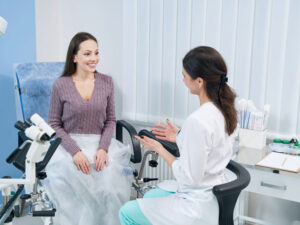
131	214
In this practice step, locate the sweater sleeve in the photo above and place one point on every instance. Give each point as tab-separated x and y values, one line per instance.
110	122
55	121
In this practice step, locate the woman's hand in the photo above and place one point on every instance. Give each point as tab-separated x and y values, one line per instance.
154	145
150	144
82	163
167	133
101	159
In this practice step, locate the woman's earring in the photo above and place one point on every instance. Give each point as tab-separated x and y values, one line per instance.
199	86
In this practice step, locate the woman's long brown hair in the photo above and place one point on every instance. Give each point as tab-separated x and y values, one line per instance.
70	66
207	63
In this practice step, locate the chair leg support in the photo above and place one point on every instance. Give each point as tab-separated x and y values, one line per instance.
226	208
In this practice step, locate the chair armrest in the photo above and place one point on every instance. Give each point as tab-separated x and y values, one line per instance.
235	186
18	157
54	144
169	146
137	154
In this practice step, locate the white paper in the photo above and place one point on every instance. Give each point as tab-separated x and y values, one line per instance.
281	161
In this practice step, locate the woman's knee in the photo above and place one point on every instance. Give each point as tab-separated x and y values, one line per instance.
130	213
128	210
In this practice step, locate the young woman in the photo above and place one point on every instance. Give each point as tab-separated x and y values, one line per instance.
205	149
84	175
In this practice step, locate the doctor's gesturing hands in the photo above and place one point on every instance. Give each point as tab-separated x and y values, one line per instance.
150	144
166	133
162	132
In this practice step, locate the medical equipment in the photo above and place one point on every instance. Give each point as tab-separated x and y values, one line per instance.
31	157
250	117
3	26
285	146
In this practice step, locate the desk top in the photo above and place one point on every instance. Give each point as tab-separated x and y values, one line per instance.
249	157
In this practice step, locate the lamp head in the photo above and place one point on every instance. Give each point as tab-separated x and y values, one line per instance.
3	26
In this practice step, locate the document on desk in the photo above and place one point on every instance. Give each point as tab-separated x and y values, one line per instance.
281	161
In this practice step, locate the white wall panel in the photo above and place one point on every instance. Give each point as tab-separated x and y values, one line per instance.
182	46
49	32
168	59
243	48
289	109
142	60
228	35
129	76
198	21
259	62
155	60
276	59
213	23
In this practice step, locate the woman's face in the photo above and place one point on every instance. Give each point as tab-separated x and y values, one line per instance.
193	85
87	56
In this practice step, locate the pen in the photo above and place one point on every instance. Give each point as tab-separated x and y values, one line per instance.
283	161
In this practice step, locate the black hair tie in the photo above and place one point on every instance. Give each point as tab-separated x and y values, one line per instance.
223	80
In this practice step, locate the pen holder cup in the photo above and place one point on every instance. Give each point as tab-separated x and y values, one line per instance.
252	138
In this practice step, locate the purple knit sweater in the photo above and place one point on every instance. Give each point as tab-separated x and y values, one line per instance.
70	113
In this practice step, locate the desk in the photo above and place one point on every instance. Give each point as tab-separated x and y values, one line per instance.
265	181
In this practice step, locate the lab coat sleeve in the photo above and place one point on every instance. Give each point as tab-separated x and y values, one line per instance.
190	167
55	121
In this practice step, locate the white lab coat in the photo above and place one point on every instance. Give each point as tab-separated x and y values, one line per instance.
205	150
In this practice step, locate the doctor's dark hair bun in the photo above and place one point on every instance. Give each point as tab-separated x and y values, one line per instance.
207	63
70	66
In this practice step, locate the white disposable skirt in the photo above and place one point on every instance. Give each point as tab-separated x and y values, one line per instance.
92	199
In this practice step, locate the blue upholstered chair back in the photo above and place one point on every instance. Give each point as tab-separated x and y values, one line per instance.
33	84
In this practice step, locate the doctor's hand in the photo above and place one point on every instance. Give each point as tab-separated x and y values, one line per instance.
167	133
150	144
101	159
82	163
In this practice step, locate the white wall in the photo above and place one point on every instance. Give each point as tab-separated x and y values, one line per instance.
58	21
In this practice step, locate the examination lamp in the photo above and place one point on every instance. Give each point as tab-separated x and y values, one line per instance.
3	26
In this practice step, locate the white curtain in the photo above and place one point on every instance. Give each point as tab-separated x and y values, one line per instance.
259	39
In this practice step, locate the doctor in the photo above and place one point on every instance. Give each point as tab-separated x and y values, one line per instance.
205	147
